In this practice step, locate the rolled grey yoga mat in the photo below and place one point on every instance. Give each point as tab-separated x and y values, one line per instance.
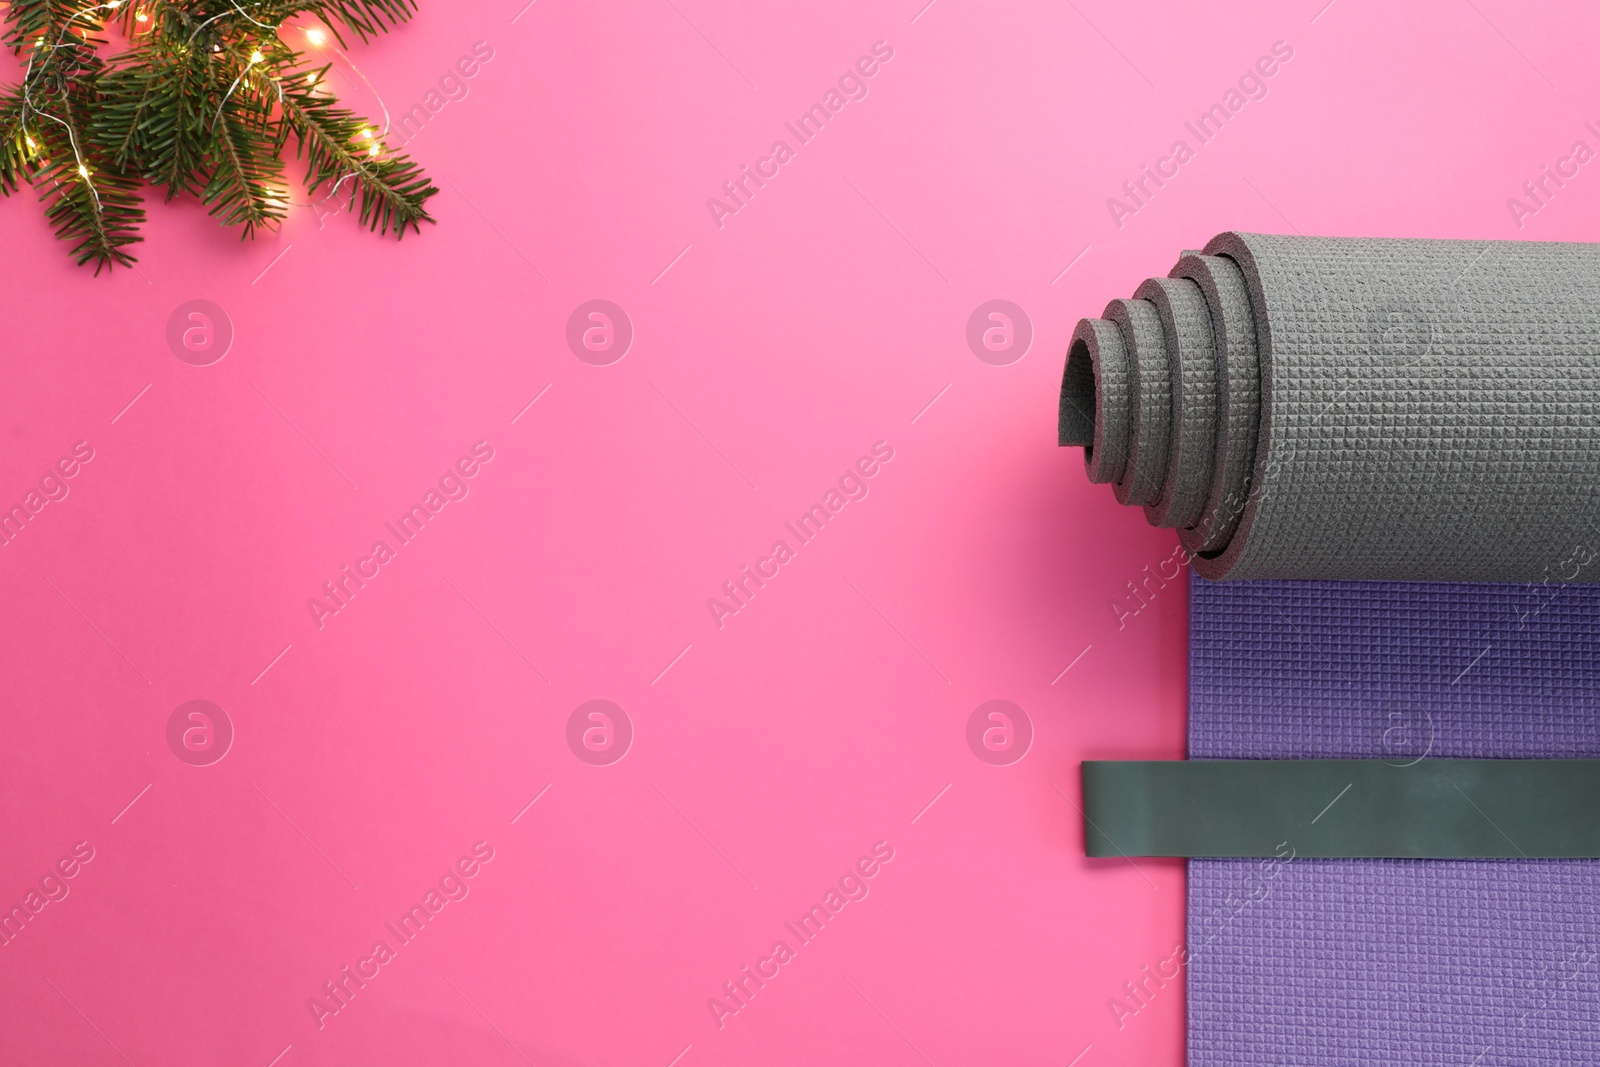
1355	408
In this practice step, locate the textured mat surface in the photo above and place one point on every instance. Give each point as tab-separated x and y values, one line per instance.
1414	410
1334	962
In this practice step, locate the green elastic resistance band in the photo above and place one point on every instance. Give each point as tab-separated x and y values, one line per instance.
1430	809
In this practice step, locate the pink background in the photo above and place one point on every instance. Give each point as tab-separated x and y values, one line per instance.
769	754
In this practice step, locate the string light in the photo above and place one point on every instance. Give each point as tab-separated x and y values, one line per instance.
316	36
256	57
366	135
83	170
31	142
142	17
372	151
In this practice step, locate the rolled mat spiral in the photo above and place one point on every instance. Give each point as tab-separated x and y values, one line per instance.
1354	408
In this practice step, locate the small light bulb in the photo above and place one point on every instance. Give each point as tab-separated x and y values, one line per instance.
83	170
316	36
142	17
31	142
113	3
311	79
256	57
372	151
366	135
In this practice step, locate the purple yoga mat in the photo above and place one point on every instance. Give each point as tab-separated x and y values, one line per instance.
1342	962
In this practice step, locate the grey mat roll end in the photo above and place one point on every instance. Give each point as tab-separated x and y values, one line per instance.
1362	409
1094	399
1146	413
1192	371
1238	400
1075	418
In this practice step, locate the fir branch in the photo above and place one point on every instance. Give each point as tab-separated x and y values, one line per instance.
14	151
163	21
97	206
393	191
202	101
246	186
367	18
32	20
183	97
127	102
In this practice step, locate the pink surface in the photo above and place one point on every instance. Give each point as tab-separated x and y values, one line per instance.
768	750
